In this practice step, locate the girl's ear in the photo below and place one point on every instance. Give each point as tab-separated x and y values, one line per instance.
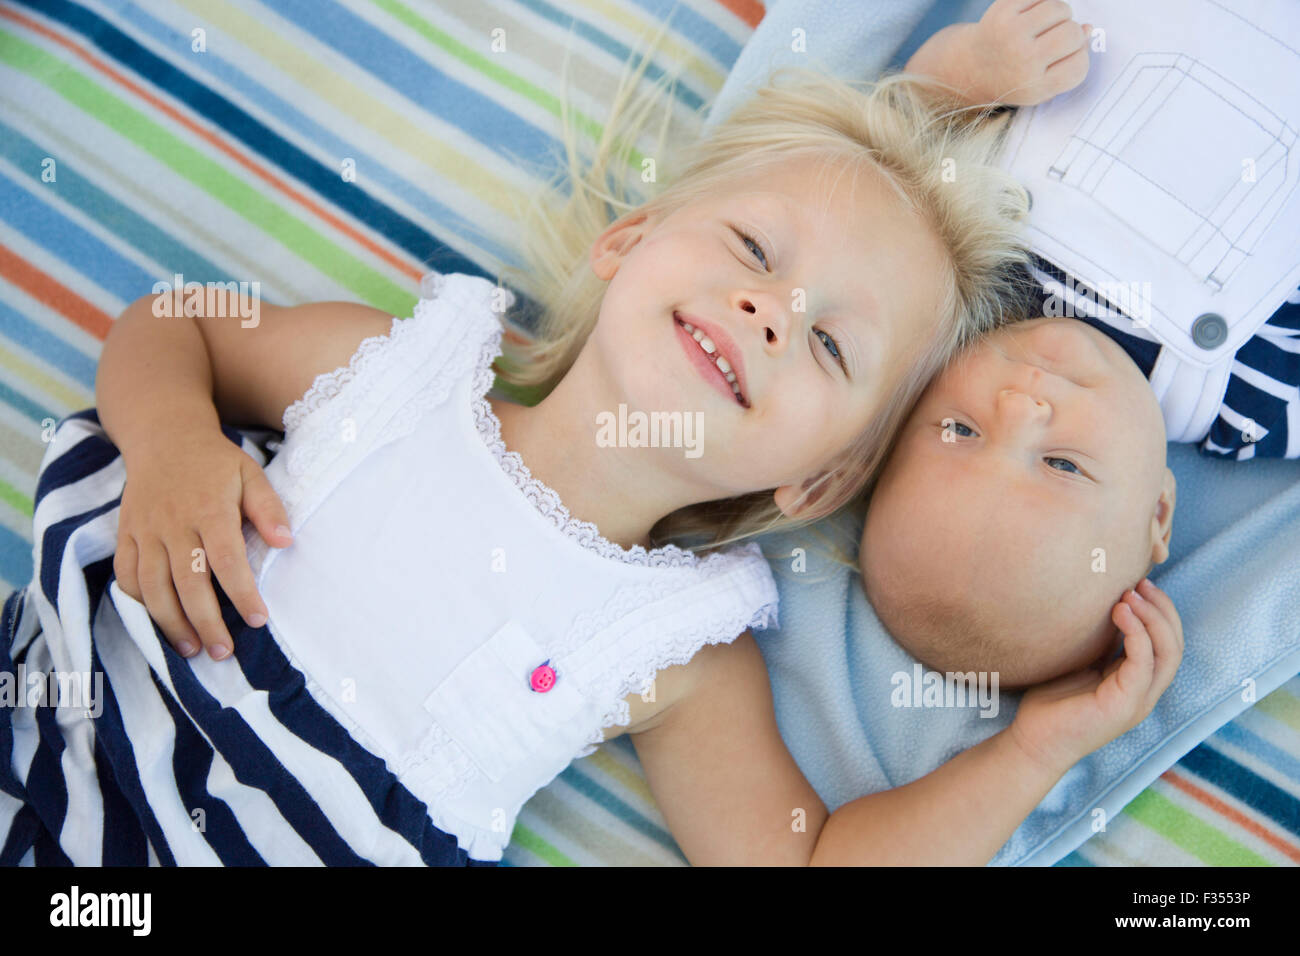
613	245
787	495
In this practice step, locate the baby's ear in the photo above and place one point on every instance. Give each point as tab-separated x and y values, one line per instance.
1162	523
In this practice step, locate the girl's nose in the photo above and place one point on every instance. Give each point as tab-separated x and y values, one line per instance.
765	309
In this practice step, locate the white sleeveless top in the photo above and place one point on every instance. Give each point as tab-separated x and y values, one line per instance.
431	575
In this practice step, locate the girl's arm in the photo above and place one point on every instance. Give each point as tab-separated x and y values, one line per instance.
1020	53
958	815
163	374
732	794
166	380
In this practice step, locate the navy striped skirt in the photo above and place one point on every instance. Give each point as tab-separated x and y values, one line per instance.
115	750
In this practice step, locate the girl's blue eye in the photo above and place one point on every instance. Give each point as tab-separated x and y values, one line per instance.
757	249
831	346
1072	465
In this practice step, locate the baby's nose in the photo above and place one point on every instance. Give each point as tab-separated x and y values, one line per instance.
1016	405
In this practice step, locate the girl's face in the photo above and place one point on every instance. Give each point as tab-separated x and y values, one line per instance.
816	288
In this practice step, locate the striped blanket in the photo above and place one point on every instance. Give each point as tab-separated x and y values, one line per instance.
340	150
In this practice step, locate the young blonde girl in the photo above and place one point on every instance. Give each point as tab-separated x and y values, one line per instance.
819	241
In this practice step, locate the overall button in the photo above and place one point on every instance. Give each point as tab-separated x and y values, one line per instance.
1209	331
543	678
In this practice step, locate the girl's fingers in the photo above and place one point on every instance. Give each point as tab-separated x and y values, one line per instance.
1160	599
1114	665
1155	620
262	505
158	595
228	562
197	597
1107	657
125	565
1165	652
1134	675
1167	639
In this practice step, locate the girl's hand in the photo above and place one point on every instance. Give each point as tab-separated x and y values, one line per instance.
1060	722
1024	52
190	496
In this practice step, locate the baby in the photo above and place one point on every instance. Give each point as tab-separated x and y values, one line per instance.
1025	494
1028	491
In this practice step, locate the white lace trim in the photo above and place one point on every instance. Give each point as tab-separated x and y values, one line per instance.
313	445
439	758
617	682
328	385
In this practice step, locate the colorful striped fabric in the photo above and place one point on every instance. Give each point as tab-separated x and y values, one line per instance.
340	150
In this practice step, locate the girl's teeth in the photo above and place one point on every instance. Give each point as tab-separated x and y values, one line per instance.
706	343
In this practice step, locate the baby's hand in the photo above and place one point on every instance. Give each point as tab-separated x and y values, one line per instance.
1024	52
1062	721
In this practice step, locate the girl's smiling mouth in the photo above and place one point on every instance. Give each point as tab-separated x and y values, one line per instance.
708	359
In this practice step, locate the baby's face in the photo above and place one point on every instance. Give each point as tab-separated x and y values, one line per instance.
1031	480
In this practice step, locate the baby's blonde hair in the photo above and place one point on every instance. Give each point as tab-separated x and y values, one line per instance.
935	152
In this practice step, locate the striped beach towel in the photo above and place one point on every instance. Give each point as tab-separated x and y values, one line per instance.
340	150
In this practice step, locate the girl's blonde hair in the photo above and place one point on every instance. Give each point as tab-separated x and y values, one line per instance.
935	152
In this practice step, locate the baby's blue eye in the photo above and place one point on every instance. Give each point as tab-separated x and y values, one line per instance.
1068	462
1074	468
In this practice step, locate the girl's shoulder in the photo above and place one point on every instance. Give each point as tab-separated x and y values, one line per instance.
455	317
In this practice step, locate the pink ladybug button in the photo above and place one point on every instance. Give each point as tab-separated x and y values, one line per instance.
543	678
